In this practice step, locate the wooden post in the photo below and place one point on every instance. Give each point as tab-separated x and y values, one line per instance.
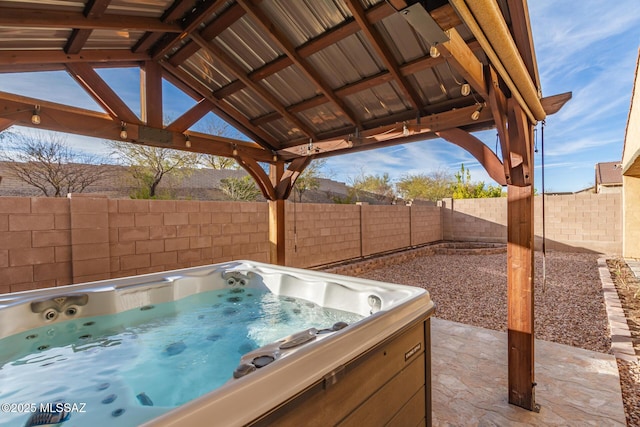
520	262
276	219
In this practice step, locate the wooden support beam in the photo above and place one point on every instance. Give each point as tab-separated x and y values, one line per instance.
40	57
498	105
553	104
462	59
151	94
190	84
62	118
5	124
35	18
479	150
520	273
520	145
259	175
101	92
192	116
277	233
93	9
288	180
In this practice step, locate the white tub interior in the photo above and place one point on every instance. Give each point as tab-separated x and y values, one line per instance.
387	308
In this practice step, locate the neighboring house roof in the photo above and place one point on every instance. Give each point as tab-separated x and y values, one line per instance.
609	174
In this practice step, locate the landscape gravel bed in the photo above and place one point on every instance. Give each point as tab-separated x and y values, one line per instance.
569	306
472	289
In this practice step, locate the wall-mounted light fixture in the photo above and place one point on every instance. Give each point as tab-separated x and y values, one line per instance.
187	141
405	130
235	150
35	117
123	131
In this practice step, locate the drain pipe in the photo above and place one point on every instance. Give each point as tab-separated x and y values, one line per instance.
490	30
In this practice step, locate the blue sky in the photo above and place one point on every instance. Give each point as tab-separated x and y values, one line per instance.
586	47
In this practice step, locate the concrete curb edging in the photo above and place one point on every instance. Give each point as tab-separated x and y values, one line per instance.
621	343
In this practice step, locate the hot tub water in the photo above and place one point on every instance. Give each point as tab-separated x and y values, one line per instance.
132	366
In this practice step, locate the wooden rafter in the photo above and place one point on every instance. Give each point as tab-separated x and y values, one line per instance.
237	70
29	18
94	9
101	92
375	39
287	47
177	10
203	11
63	118
186	82
211	31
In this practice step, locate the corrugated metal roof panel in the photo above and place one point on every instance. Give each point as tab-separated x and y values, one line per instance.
428	86
207	70
249	103
153	8
109	39
379	101
68	5
346	62
323	118
304	20
290	86
248	44
282	130
32	38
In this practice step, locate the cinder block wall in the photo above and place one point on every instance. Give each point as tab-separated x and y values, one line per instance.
321	233
48	242
575	222
146	236
35	243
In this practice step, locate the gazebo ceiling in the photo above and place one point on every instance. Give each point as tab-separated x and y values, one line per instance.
297	77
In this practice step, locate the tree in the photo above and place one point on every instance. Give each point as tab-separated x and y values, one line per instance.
379	185
433	186
309	179
148	165
240	188
463	188
45	162
221	128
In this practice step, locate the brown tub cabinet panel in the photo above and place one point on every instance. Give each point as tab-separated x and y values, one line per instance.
380	387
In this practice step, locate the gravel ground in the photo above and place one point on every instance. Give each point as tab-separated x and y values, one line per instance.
569	308
472	289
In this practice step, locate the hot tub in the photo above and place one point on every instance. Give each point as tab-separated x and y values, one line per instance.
373	369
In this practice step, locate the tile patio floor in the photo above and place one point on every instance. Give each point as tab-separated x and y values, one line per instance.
576	387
